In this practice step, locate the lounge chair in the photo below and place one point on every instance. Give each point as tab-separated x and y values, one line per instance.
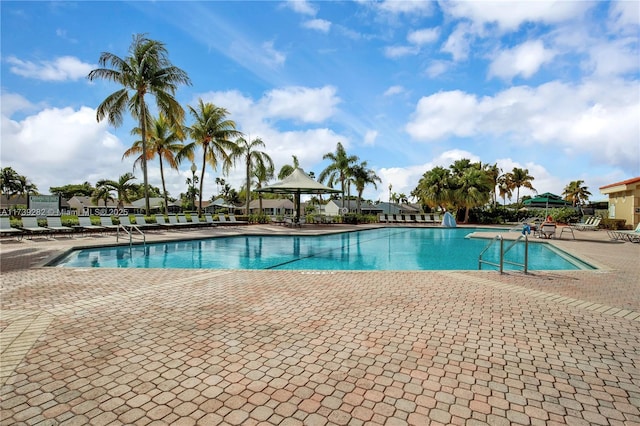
232	219
125	221
86	225
31	227
107	223
591	224
223	220
142	223
173	220
55	224
631	236
420	218
382	218
161	221
6	229
208	219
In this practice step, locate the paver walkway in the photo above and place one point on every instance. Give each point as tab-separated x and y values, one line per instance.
209	347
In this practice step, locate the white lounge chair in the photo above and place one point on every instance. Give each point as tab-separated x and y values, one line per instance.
107	223
547	230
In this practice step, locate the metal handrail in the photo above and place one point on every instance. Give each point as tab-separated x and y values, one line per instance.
130	234
491	243
500	265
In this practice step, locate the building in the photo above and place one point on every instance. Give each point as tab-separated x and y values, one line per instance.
272	207
624	201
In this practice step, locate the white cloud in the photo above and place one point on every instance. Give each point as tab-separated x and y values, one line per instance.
418	7
437	68
524	60
394	90
577	119
612	58
423	36
60	69
302	7
304	104
318	24
57	146
458	43
624	16
370	137
399	51
510	15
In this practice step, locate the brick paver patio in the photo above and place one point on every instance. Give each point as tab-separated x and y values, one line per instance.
210	347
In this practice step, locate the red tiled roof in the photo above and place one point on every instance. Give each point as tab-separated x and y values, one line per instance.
624	182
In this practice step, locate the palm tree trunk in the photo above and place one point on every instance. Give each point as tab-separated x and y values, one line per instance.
248	197
164	187
204	164
145	178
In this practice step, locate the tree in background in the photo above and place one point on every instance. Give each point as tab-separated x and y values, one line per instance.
287	169
165	141
519	178
146	71
213	132
338	170
102	193
123	187
67	191
363	176
434	188
576	193
253	160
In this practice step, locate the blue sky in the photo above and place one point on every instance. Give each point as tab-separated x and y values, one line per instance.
404	85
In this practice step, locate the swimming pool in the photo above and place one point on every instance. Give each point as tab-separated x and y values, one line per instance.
384	249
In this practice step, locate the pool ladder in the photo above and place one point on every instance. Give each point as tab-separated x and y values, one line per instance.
129	233
503	251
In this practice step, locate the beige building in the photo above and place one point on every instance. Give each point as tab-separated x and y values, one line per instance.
624	201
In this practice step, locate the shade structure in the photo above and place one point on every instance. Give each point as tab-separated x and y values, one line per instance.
297	183
545	200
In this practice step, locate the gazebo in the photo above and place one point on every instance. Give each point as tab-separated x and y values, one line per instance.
297	183
546	200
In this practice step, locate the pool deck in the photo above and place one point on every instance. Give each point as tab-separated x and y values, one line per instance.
181	347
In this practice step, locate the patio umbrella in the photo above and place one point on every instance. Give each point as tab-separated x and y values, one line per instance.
297	183
545	200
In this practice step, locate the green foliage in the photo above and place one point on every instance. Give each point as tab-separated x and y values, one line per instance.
68	191
259	218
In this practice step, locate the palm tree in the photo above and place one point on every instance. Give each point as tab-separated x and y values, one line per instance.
165	141
473	189
287	169
253	159
123	186
338	170
213	132
262	174
434	188
504	187
102	192
362	176
26	187
9	181
576	192
147	70
520	178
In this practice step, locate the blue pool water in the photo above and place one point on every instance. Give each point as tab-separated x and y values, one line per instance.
385	249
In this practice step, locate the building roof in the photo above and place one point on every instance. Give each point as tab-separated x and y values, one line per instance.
623	183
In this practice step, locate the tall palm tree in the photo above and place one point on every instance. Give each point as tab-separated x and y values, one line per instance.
253	159
434	187
520	178
213	132
9	181
504	187
123	186
576	192
473	189
362	176
262	174
287	169
165	141
338	170
26	187
146	71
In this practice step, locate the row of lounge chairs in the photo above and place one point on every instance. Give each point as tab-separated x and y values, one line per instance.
31	226
589	223
631	236
410	218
